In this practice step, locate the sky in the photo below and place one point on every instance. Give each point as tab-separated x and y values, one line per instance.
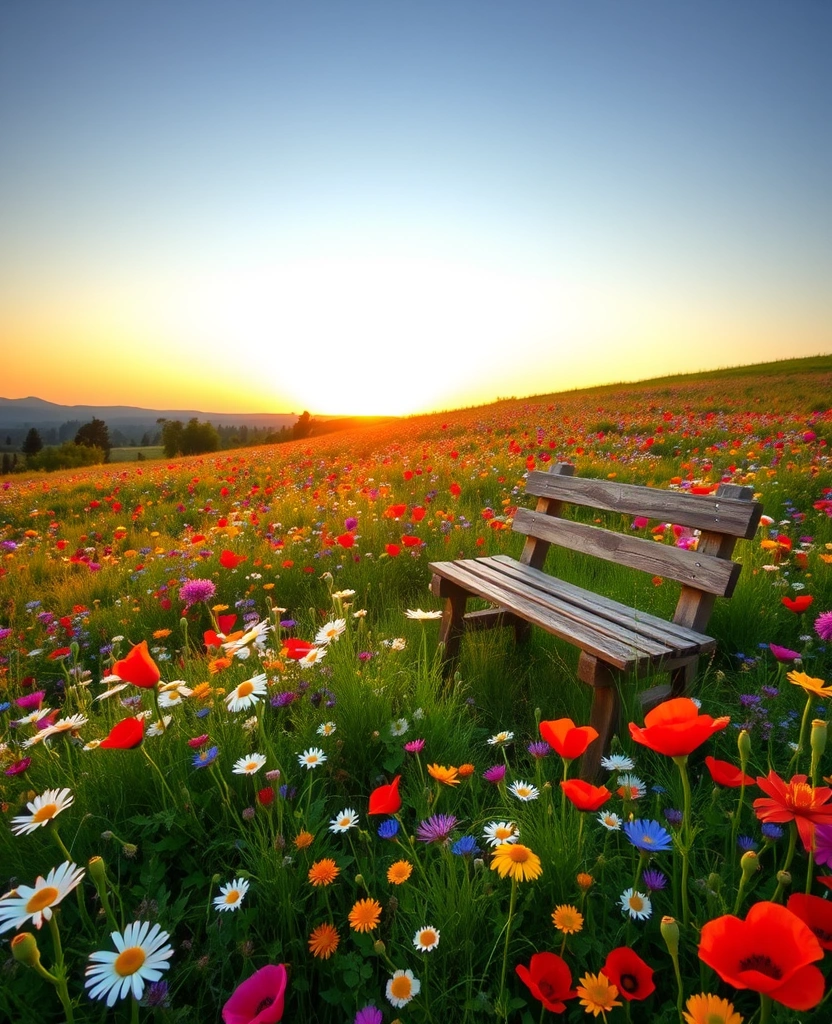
394	207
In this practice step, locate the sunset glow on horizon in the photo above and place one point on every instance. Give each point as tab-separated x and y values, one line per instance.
378	210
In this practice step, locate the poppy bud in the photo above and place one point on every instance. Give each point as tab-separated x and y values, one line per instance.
98	872
25	949
749	865
744	746
670	933
379	948
784	878
714	882
818	740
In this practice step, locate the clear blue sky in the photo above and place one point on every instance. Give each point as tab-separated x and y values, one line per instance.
391	206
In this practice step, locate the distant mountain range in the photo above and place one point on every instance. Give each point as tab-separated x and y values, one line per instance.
35	412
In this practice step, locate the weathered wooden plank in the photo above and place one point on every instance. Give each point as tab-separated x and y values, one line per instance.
670	633
732	515
693	568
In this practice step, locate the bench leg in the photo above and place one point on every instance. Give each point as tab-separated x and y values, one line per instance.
605	713
451	629
681	679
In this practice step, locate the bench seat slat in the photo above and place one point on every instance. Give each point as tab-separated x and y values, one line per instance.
668	632
705	572
731	516
604	631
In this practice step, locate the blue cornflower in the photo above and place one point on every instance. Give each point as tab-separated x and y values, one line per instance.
746	843
288	792
205	757
388	829
771	831
4	706
203	713
466	847
654	880
648	836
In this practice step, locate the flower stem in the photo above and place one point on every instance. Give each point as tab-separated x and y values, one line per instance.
682	765
511	905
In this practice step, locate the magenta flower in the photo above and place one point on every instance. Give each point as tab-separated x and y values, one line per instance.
30	701
369	1015
436	829
18	766
195	591
496	773
414	747
823	844
783	653
259	999
823	626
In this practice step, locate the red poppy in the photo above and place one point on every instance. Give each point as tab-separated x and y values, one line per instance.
386	799
410	541
629	973
824	880
124	735
393	550
211	639
138	667
549	979
568	739
226	622
346	540
797	604
265	796
418	514
584	795
771	952
675	728
455	490
798	801
228	560
726	774
816	912
296	649
59	652
395	511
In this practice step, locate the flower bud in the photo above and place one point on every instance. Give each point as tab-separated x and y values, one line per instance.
749	865
25	949
818	739
714	882
744	745
359	880
98	872
784	878
670	933
379	948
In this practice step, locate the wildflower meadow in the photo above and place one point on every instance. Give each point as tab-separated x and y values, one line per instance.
236	786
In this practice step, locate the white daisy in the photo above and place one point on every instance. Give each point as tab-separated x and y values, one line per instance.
311	758
248	693
398	644
143	953
326	728
34	716
340	595
43	809
610	821
330	631
36	902
636	904
618	763
344	821
399	727
113	690
402	987
426	938
249	765
497	832
173	694
524	791
312	657
634	787
240	647
159	727
501	738
417	613
231	895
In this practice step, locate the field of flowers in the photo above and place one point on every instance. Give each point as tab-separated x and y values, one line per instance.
236	787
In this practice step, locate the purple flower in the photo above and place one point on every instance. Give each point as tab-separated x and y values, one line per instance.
672	816
539	749
436	829
823	626
18	766
783	653
496	773
5	632
350	523
769	691
282	700
746	843
194	591
823	844
654	880
368	1015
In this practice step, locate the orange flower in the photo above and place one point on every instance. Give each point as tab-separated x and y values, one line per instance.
726	774
796	801
324	941
385	799
447	776
324	872
399	872
365	915
584	795
138	668
675	728
771	952
812	686
303	839
465	770
566	738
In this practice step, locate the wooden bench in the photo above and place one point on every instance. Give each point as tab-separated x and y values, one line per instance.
615	641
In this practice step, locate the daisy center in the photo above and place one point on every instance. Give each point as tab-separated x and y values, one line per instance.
636	902
519	854
504	833
45	813
427	937
232	897
244	689
763	964
44	897
251	766
400	987
129	961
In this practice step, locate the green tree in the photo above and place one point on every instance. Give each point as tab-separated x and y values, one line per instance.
33	443
198	438
95	434
171	437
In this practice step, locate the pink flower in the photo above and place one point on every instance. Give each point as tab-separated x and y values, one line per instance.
259	999
823	626
31	701
783	653
414	746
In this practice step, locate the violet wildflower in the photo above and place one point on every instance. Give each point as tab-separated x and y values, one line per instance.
368	1015
654	880
539	749
496	773
436	829
31	701
414	746
284	699
823	626
195	591
823	844
673	816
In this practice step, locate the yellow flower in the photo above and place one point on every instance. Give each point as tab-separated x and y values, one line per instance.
201	691
567	919
447	776
707	1009
597	993
817	687
364	915
324	941
516	861
399	872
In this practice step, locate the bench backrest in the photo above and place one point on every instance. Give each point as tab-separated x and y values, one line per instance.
725	516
